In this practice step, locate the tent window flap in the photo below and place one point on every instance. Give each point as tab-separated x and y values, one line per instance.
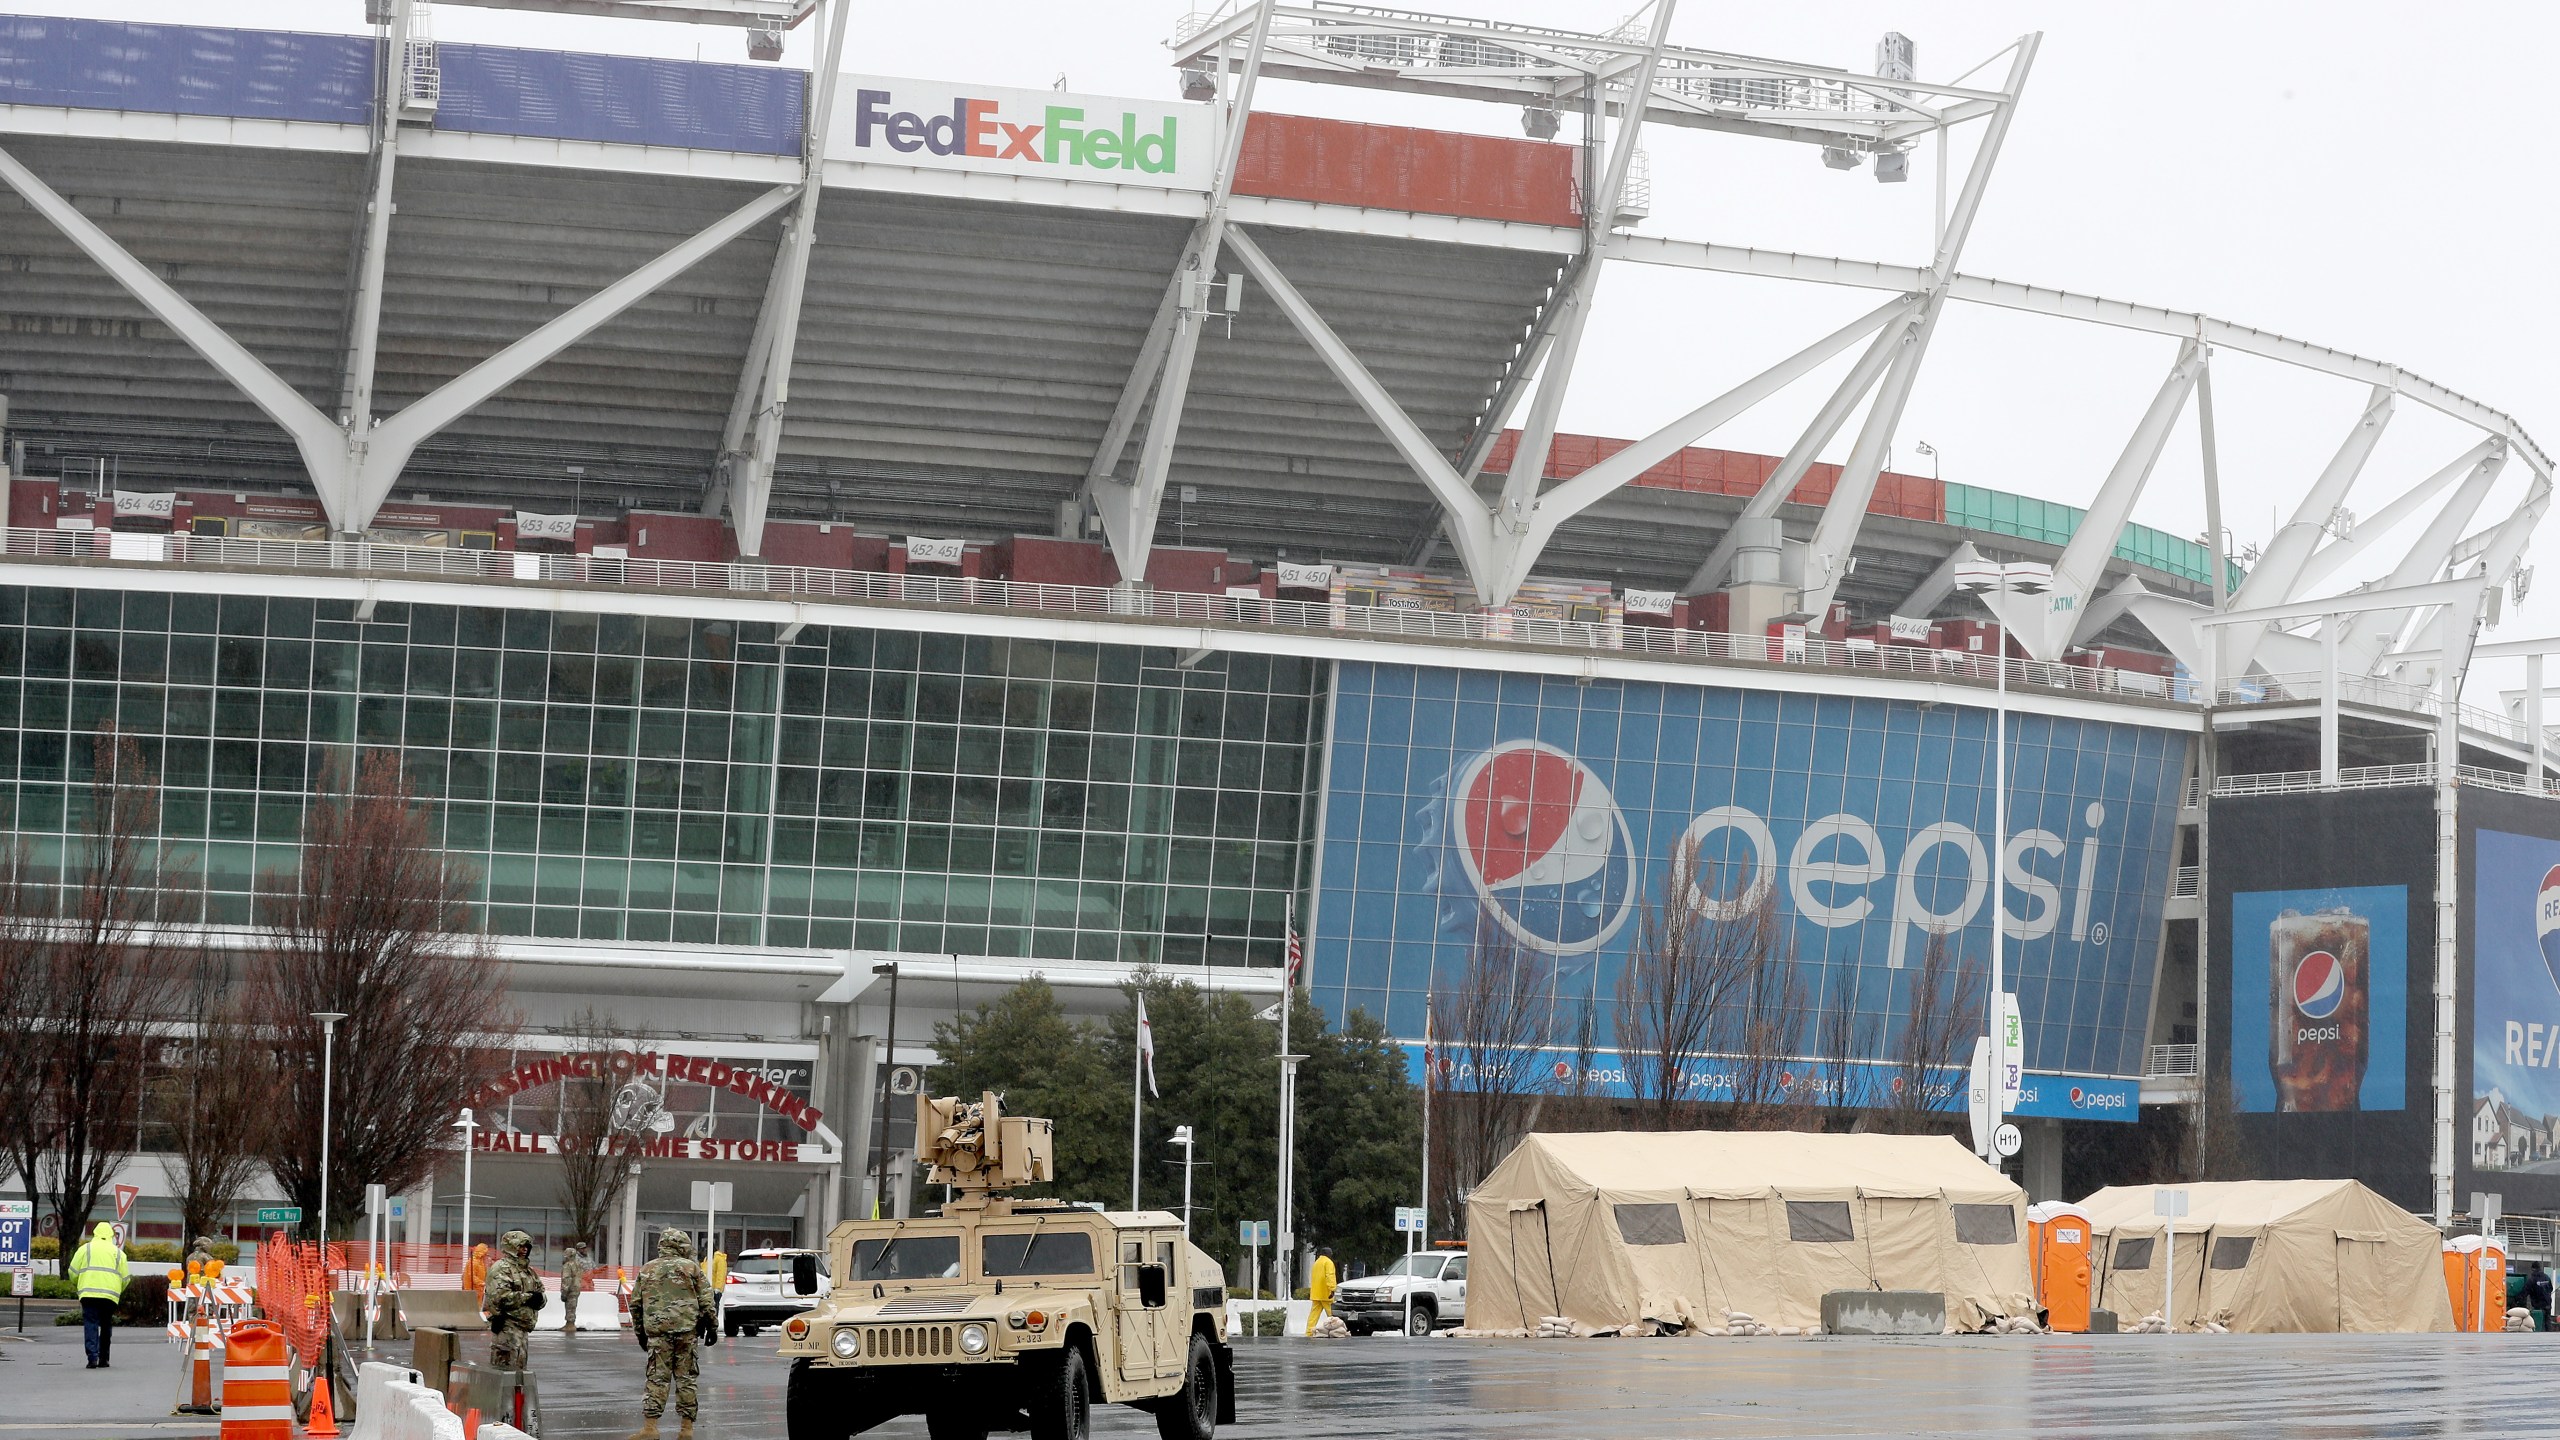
2134	1253
1818	1221
2231	1252
1650	1225
1986	1225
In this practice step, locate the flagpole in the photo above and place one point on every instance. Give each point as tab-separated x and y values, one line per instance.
1428	1076
1137	1098
1283	1255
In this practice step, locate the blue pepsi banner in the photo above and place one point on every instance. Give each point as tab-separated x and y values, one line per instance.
1547	813
2329	969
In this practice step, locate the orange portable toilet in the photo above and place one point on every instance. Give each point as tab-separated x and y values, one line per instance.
2475	1277
2063	1250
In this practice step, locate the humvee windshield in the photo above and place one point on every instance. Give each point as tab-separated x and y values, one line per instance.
907	1257
1055	1252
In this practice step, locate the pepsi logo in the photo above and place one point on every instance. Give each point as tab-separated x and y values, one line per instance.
1564	1070
2319	983
1544	846
2078	1095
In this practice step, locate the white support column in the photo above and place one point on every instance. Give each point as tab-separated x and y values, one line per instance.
749	394
1834	536
1600	211
1129	511
2329	629
2083	566
750	478
395	439
1469	527
2425	559
322	444
1517	550
2326	560
2533	731
1773	492
2277	577
365	322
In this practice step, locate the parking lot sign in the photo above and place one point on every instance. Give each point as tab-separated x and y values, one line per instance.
1253	1232
1409	1218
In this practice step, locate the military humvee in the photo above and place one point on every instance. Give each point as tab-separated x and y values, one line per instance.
1007	1314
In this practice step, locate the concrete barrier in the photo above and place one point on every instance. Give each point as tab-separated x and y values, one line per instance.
1884	1312
452	1309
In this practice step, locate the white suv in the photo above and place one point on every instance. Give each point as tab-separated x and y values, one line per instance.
759	1290
1438	1282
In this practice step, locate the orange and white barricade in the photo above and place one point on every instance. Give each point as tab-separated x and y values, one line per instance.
257	1386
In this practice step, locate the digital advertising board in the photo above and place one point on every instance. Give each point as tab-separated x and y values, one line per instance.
2507	1129
1459	803
2320	972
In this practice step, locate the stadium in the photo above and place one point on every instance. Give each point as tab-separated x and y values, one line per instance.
824	550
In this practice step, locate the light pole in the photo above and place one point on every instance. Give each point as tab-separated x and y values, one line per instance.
328	1067
1925	448
469	1127
1182	1137
1985	580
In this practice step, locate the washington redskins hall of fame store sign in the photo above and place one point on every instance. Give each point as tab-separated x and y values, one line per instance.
748	1104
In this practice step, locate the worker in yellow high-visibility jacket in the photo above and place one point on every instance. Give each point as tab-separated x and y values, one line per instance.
98	1268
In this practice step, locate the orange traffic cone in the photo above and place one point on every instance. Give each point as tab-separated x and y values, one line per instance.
200	1373
471	1425
324	1421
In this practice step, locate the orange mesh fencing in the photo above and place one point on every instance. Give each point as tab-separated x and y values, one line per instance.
294	1288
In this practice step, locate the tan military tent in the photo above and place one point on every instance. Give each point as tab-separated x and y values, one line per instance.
2272	1255
1687	1225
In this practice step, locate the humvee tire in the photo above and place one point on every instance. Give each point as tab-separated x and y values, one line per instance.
1192	1413
1059	1397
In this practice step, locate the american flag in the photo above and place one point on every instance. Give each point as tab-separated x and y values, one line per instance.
1296	952
1147	1045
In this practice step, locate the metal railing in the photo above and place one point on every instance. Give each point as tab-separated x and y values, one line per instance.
793	582
2173	1062
2353	777
2186	882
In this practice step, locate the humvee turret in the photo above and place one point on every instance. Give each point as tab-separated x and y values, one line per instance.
1007	1314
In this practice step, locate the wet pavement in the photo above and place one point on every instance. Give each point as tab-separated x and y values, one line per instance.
2132	1387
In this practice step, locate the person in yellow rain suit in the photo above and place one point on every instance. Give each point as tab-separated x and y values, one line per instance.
1320	1289
475	1271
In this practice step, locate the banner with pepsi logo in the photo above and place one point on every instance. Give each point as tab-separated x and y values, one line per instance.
2513	1115
1548	811
2319	1000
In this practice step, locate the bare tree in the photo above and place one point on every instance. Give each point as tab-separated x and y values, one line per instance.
1488	1031
97	992
374	926
1944	1015
210	1103
22	972
1756	1028
1706	975
1844	1084
595	1149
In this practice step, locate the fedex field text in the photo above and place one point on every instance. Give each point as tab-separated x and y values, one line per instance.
975	128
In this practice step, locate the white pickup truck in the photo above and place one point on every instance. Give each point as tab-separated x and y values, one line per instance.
1438	1282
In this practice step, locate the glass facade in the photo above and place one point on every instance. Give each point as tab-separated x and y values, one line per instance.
666	779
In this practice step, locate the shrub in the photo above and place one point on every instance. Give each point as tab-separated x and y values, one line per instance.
1269	1320
146	1302
154	1252
56	1287
45	1247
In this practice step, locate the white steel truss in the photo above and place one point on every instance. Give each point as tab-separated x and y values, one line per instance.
353	469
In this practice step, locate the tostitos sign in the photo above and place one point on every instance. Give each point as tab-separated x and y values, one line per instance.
936	125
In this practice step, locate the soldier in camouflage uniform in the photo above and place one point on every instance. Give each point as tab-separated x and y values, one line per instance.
511	1298
670	1310
575	1267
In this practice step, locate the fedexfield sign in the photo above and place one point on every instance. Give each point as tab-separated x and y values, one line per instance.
939	126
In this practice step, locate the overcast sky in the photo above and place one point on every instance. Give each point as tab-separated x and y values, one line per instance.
2366	176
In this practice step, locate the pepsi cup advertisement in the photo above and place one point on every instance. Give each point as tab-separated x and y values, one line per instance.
2319	1000
2515	1034
1546	813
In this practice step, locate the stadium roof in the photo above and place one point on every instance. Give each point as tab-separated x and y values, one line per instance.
587	260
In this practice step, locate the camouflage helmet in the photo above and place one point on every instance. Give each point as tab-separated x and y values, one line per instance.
676	1243
517	1244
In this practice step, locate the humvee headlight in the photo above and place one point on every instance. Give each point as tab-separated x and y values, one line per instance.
1017	1319
973	1339
846	1343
